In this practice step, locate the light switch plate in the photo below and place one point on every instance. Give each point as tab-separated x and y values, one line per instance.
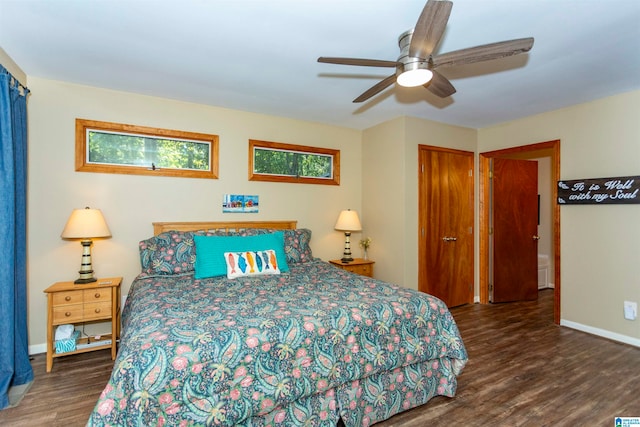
630	310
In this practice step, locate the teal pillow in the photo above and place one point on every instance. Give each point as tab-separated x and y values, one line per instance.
210	251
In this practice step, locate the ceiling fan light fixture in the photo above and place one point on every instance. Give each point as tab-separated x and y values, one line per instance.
416	77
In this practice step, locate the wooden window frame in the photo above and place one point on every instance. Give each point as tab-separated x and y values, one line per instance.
335	154
82	164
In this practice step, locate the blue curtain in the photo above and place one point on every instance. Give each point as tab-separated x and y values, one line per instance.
15	368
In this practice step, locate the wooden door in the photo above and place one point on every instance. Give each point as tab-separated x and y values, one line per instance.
515	230
445	248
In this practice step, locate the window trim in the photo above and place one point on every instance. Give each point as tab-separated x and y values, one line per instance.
82	165
278	146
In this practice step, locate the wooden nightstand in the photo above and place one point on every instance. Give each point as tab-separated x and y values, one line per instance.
360	266
69	303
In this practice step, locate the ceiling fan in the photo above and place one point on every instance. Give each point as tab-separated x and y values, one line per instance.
418	66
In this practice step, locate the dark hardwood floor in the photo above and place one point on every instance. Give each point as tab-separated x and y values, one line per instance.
523	371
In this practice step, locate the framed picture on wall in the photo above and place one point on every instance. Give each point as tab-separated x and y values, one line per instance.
240	203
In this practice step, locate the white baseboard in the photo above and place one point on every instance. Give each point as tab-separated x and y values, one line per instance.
37	348
601	332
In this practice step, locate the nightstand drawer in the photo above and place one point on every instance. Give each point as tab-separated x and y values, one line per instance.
67	314
68	297
97	310
96	295
365	270
359	266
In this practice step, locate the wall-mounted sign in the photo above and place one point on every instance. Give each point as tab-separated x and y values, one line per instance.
621	190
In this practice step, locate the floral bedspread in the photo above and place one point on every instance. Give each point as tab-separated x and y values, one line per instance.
300	348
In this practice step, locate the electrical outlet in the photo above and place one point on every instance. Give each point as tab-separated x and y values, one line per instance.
630	310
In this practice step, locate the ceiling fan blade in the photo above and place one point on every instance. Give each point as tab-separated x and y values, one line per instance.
483	53
429	28
440	86
358	61
377	88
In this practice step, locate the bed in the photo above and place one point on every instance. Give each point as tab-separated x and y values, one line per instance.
310	344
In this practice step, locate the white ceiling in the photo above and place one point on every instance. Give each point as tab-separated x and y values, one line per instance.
261	56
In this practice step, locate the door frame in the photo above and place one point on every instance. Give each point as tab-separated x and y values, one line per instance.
543	149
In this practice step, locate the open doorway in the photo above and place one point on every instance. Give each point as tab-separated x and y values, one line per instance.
543	150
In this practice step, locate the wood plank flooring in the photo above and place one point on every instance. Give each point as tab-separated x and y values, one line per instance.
523	371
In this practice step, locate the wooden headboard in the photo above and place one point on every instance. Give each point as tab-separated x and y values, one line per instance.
161	227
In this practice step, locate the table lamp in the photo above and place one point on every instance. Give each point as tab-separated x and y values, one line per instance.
85	224
348	221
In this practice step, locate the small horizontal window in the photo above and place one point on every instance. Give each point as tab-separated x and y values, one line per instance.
128	149
277	162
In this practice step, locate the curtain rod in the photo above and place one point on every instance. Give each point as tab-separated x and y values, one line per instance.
14	81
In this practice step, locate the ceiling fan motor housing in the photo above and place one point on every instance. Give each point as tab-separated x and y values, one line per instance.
407	63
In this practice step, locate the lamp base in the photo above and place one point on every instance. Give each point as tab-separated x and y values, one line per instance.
346	255
86	271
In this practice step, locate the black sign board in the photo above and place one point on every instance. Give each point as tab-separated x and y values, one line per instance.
622	190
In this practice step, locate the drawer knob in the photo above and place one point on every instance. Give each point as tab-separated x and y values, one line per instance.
67	298
67	314
97	295
97	310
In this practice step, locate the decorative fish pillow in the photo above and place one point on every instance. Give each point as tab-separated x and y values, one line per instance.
251	263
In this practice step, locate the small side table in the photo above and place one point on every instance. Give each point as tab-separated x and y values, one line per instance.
68	303
360	266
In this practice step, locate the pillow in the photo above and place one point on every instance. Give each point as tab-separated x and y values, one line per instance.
296	243
251	263
210	260
171	252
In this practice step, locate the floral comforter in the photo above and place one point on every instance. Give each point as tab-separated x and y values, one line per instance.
302	348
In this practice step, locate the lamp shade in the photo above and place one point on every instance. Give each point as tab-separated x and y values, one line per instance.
348	221
85	223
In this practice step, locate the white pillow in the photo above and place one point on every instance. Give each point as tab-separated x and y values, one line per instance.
251	263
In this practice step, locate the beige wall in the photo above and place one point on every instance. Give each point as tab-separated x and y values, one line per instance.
383	198
390	189
130	203
12	67
600	245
